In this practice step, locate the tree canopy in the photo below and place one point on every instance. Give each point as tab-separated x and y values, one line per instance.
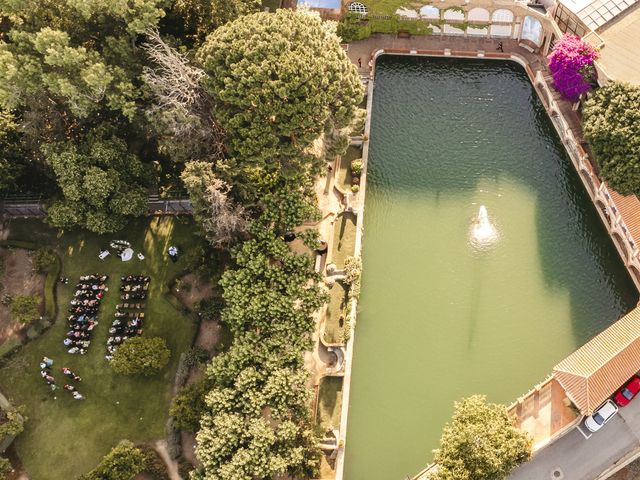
101	183
612	128
141	355
257	421
480	443
278	82
123	462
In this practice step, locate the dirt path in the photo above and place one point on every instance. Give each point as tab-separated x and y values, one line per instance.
172	465
19	278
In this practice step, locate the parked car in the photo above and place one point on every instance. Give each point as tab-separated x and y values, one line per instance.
626	393
602	415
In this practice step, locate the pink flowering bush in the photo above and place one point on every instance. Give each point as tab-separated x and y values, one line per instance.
571	64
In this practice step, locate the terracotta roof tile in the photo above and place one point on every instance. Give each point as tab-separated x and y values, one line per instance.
596	370
629	208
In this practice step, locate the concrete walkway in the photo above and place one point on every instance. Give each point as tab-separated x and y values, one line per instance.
580	455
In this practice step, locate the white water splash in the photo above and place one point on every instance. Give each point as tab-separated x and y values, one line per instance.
483	233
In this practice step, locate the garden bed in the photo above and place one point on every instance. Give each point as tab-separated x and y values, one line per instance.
19	279
344	239
337	308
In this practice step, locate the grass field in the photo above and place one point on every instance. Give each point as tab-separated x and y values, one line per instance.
63	437
333	332
344	238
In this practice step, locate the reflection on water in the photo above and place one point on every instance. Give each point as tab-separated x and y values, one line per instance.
440	320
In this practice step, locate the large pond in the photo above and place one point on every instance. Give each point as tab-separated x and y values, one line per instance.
439	318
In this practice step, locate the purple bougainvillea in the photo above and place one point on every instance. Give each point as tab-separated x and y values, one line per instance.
571	64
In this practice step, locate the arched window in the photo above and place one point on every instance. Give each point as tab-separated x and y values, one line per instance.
478	15
429	11
357	7
532	30
502	15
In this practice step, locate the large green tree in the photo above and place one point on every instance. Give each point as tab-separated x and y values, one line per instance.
257	421
101	183
278	82
480	443
612	128
11	157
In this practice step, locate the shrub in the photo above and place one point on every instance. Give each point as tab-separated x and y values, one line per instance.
195	356
188	406
5	467
12	421
123	462
355	181
141	355
355	188
571	64
44	259
350	28
24	309
356	166
154	464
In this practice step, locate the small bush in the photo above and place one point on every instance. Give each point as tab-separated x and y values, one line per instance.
195	356
44	259
356	166
155	466
123	462
355	181
355	188
5	467
188	406
141	355
24	309
12	421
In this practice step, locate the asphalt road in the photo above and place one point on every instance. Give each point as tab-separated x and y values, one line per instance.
581	458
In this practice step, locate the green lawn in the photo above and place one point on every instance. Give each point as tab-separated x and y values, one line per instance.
63	437
333	332
344	238
344	172
329	402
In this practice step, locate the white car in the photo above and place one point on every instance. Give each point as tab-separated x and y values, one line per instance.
601	416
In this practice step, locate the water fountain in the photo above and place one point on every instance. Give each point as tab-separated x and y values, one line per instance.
483	233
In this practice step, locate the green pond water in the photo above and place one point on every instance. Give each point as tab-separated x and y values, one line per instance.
440	319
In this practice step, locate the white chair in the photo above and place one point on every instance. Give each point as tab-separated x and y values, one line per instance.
104	254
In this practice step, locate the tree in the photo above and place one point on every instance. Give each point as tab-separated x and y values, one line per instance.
101	183
123	462
141	355
25	309
201	17
181	110
274	290
481	442
277	93
11	163
612	128
188	406
571	64
222	221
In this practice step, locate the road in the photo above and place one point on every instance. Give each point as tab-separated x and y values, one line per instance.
581	458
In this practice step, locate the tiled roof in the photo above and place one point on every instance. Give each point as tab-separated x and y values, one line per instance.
629	208
596	370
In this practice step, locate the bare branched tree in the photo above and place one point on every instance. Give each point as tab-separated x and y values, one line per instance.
182	106
224	222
